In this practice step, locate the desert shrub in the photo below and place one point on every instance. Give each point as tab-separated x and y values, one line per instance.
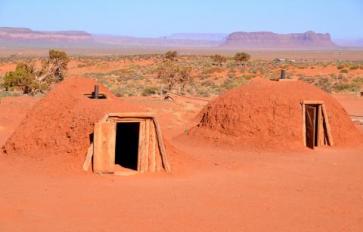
341	66
171	55
150	91
27	79
218	59
346	87
208	83
344	71
167	72
173	74
233	82
358	81
55	66
241	57
203	92
324	84
22	79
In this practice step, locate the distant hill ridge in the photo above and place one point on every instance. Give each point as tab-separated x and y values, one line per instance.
247	40
308	39
8	33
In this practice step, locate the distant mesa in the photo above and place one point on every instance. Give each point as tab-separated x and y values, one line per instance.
25	34
218	37
244	40
267	40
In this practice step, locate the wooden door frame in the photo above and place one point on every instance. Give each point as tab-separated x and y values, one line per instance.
146	120
325	121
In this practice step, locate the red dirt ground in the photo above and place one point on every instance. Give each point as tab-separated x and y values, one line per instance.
210	189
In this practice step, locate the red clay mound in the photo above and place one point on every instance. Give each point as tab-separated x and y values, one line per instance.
61	123
266	114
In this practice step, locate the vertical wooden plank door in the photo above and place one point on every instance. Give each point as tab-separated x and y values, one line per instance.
104	147
310	120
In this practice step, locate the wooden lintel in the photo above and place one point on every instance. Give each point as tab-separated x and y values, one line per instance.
312	102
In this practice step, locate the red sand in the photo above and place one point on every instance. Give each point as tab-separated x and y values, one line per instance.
268	115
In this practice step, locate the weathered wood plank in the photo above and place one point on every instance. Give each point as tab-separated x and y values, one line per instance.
104	147
88	160
161	146
303	123
327	125
141	155
152	148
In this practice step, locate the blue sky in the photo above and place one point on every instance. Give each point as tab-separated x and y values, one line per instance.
341	18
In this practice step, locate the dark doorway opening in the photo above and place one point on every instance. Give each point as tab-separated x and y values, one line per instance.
127	144
312	125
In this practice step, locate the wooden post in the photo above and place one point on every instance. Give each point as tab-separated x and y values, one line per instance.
161	146
303	123
141	156
327	126
283	74
152	148
96	92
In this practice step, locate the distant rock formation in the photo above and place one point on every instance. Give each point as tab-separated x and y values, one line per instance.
270	40
218	37
24	37
25	34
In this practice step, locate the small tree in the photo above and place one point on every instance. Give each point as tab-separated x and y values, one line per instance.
30	81
218	59
167	72
184	76
241	57
23	78
171	55
54	68
172	74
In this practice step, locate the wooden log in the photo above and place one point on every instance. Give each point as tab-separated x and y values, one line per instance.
327	126
161	146
152	148
303	123
88	160
141	155
320	132
313	102
146	144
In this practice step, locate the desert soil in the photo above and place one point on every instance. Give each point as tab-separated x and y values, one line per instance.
210	189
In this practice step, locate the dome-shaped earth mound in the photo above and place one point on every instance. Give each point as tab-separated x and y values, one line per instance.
63	121
269	115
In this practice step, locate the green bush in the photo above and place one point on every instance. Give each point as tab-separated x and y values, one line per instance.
346	87
22	79
30	81
241	57
150	91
